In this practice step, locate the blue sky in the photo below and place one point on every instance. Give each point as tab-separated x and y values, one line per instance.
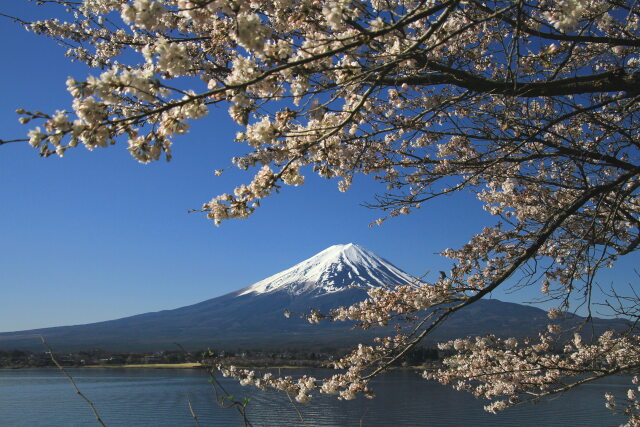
96	235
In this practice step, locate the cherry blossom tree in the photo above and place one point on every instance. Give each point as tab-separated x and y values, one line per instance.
531	105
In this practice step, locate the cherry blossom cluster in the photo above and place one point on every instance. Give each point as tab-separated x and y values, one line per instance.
353	379
533	107
509	371
632	407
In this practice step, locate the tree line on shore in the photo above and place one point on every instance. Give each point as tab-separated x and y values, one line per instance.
254	357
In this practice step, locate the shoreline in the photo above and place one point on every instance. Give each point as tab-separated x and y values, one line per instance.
195	365
189	365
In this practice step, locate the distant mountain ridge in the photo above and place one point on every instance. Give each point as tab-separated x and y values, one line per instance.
252	317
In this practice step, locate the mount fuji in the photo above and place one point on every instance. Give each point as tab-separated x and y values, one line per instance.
252	317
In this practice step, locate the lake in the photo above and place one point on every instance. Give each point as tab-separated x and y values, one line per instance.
159	397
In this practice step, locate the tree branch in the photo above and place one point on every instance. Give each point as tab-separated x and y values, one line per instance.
611	81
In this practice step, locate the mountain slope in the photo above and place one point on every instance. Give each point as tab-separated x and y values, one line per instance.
253	316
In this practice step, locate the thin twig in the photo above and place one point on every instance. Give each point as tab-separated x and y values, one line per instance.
73	383
8	141
240	406
215	384
363	415
193	414
297	410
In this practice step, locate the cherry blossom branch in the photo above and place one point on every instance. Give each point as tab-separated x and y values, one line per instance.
610	81
72	381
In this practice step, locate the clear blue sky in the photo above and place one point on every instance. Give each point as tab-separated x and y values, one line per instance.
96	236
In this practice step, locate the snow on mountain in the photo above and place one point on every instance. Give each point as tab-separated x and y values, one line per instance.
335	269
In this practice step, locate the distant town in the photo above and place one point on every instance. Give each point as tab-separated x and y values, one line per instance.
15	359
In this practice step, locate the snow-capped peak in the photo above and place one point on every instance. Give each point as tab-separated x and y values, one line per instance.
334	269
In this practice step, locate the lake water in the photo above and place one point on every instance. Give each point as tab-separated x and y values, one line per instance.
155	397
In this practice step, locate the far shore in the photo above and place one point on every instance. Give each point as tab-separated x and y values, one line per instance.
149	365
190	366
198	366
